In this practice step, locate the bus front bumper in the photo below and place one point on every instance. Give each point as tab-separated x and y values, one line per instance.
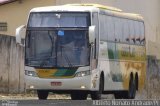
76	83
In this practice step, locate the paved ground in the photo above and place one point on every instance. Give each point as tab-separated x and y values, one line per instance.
53	100
50	97
46	103
67	102
32	100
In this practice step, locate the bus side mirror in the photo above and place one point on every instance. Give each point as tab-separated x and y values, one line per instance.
20	34
91	34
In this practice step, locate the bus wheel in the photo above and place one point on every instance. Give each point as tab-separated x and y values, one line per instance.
132	89
96	95
79	95
42	94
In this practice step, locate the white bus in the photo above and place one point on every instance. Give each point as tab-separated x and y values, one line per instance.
82	49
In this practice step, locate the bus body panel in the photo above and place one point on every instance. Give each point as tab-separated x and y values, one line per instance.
90	82
115	59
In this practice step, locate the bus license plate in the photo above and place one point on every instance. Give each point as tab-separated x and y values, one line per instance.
56	83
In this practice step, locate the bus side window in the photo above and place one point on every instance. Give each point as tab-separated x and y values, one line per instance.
111	37
103	32
110	28
142	36
118	29
137	32
132	32
126	38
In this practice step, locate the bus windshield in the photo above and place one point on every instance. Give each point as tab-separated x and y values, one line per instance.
60	19
57	48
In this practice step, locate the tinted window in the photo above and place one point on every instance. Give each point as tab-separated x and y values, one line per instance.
110	28
137	32
52	19
126	31
131	32
142	33
103	27
118	29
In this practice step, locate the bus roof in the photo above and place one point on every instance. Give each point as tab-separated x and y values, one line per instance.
97	6
88	8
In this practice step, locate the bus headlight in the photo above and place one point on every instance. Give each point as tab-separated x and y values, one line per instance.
83	73
31	73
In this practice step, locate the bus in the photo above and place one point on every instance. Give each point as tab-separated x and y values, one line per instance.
82	49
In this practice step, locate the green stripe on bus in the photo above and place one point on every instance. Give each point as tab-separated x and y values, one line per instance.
64	72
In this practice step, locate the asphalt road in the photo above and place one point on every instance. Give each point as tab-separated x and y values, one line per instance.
64	100
53	100
80	103
45	103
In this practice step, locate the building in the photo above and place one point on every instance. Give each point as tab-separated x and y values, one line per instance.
14	13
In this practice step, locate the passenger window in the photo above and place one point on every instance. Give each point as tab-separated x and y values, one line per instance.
110	28
137	32
126	31
103	32
118	29
132	32
142	33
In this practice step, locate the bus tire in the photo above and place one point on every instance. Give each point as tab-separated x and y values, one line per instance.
132	89
96	95
79	95
42	94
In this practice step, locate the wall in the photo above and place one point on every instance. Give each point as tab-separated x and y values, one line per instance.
16	14
152	87
12	56
11	66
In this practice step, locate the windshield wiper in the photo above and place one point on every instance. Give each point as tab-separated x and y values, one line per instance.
52	42
66	57
45	60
